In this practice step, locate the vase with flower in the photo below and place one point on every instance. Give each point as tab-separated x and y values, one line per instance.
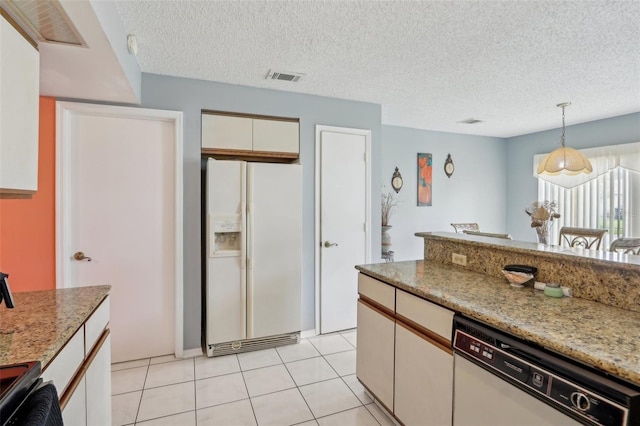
389	203
542	214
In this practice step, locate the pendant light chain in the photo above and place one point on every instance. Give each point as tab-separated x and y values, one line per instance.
563	159
562	137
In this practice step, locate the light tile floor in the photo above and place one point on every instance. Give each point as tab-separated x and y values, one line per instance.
311	383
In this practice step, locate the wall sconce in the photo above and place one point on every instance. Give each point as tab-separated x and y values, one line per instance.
396	181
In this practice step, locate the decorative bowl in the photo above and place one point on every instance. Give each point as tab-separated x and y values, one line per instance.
517	279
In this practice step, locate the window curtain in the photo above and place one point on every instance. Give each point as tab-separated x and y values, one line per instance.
609	198
603	160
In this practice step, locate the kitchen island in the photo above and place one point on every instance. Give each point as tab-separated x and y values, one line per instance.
407	311
602	336
67	331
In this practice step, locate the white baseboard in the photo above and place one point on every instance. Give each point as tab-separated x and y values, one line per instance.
308	333
384	410
192	353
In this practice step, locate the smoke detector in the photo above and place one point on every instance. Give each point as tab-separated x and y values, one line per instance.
470	121
284	76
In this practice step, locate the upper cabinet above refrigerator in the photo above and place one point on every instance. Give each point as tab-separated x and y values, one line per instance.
226	135
19	111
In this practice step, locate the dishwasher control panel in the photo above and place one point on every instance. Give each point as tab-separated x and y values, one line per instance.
512	362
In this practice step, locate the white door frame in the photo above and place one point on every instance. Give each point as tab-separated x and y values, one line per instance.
367	136
64	111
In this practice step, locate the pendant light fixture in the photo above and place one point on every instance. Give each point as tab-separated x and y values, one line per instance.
564	160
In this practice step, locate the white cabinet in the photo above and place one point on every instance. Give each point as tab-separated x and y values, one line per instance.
228	134
275	135
98	382
64	366
404	354
75	412
424	361
81	372
19	112
374	357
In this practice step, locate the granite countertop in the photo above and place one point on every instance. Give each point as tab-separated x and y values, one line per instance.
604	257
43	321
599	335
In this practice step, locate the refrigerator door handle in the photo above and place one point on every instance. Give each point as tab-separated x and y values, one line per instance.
243	248
249	239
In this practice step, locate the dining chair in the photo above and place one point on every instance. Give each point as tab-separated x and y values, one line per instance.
487	234
461	227
626	245
581	237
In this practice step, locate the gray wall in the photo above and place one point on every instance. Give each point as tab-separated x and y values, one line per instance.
522	187
476	192
191	96
492	183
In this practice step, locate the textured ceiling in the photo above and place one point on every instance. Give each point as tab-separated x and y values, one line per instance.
429	64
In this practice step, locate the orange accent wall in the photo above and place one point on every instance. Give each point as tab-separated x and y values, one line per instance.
27	227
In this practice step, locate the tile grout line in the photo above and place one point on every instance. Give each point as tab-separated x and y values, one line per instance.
282	362
339	377
247	389
157	387
362	404
142	393
195	395
296	384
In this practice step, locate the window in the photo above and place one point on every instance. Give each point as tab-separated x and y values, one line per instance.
609	201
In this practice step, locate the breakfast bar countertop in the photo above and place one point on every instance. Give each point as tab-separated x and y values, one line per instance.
605	337
43	321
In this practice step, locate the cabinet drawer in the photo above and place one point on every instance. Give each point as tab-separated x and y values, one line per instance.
426	314
95	325
275	136
379	292
227	132
64	366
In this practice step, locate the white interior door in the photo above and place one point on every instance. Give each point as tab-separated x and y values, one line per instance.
344	221
120	206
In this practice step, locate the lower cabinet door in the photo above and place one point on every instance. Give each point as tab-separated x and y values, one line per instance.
374	356
98	378
423	380
75	412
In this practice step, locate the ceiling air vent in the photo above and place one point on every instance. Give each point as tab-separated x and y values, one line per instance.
284	76
470	121
46	20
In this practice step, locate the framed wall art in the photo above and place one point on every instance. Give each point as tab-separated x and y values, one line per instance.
425	165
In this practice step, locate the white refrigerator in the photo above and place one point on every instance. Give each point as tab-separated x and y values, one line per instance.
254	255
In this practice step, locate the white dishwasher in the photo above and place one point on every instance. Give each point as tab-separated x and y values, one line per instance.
503	380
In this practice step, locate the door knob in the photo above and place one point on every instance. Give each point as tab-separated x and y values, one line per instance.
80	256
328	244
